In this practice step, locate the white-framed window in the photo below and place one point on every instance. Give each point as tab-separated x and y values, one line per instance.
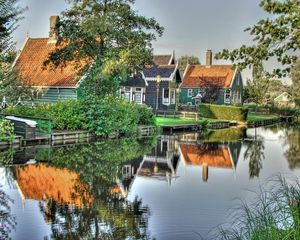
126	171
127	94
138	95
227	96
166	96
190	92
173	96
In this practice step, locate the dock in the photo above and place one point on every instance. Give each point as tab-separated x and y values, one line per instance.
181	127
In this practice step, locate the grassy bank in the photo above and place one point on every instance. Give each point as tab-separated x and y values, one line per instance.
259	117
159	121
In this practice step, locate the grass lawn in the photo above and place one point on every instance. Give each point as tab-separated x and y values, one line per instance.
257	117
170	121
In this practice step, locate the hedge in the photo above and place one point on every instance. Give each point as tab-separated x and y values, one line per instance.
223	112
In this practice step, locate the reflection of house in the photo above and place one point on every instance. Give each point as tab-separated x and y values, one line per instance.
42	182
162	162
221	84
142	88
210	155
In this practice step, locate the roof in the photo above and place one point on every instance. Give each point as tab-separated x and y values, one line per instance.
165	71
162	59
201	75
136	81
218	157
283	97
42	181
30	65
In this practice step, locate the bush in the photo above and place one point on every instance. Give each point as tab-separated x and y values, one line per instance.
116	117
6	130
223	112
65	115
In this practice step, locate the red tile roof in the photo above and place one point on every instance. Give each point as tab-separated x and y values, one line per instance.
30	65
200	75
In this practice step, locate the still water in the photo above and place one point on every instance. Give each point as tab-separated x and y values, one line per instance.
171	187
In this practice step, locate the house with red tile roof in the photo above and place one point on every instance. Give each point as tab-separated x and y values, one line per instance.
49	84
218	84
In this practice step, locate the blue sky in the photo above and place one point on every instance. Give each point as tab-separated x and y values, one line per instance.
191	26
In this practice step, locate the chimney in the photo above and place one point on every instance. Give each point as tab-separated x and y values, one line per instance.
208	58
53	33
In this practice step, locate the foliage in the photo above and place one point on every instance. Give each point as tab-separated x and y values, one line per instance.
6	130
110	35
10	14
277	37
223	112
112	117
295	76
185	60
257	88
7	220
273	215
65	115
145	115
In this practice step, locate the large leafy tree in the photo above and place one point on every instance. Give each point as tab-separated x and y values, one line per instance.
107	39
277	37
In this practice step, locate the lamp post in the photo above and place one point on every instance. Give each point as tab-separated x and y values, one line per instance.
158	80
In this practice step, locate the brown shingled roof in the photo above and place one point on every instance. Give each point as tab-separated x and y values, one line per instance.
31	66
162	59
200	75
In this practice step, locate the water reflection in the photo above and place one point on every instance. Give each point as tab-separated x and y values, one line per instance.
136	189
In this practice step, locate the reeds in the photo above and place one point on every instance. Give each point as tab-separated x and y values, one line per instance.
274	214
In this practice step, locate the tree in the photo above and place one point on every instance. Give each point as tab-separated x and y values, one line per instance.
257	88
10	81
10	14
274	38
107	39
185	60
295	76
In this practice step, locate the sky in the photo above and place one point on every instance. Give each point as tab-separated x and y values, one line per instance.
191	26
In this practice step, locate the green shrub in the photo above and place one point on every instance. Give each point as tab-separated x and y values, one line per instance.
223	112
6	130
116	117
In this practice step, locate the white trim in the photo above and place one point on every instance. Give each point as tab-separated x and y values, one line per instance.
226	101
172	57
146	83
233	78
19	54
190	95
54	87
185	71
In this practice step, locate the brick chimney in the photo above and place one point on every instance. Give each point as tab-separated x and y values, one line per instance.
208	58
53	34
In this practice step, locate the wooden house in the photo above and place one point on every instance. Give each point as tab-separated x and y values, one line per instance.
284	100
156	85
49	84
218	84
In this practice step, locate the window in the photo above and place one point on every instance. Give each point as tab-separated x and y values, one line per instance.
127	94
173	99
138	95
166	96
126	171
164	146
227	96
190	92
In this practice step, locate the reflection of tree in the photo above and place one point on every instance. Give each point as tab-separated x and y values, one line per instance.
292	140
7	221
255	154
6	157
110	215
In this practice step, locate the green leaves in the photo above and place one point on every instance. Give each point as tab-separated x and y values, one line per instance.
277	38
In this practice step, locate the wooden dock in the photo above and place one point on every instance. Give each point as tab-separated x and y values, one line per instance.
181	127
147	131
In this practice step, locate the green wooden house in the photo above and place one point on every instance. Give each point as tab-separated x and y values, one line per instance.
218	84
49	85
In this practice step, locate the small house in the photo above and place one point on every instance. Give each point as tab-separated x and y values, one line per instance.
156	85
218	84
284	100
49	84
